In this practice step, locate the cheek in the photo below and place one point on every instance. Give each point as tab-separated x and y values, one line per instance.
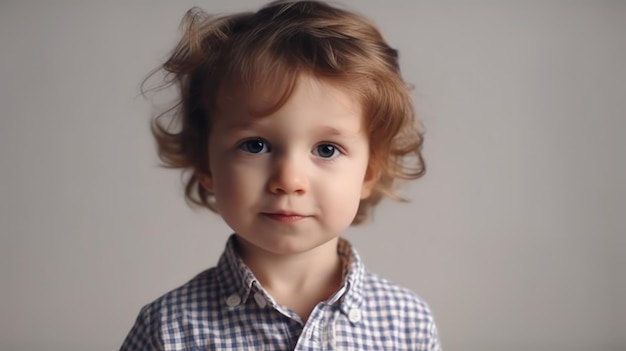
341	197
340	210
235	187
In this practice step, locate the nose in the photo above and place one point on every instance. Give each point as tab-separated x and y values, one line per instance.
289	176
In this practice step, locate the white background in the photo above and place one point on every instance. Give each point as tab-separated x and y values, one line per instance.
516	235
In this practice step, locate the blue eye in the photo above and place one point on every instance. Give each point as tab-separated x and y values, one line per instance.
326	151
254	146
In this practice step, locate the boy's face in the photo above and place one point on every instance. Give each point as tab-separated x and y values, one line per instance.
291	181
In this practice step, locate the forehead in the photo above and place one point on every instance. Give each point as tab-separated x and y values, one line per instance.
309	98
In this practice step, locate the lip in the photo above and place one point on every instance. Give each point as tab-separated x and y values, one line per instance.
285	216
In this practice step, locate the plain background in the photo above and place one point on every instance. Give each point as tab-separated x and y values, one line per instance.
515	237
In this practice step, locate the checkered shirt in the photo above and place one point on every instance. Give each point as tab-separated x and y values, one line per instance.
225	308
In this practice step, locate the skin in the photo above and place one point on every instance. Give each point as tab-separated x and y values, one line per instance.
289	184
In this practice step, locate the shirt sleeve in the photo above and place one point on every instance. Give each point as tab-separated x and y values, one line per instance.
145	334
434	344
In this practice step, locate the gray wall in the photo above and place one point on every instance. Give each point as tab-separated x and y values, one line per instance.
516	236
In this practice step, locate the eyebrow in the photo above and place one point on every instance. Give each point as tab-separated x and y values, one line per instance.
323	130
239	126
331	131
327	130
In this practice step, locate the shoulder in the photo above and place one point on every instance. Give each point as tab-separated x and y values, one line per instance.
388	308
194	296
380	291
195	300
401	308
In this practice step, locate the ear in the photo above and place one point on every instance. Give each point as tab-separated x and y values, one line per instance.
369	181
206	181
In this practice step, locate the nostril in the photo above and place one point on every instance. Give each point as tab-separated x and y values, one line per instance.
289	176
288	185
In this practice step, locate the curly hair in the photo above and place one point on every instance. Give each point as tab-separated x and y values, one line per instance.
271	48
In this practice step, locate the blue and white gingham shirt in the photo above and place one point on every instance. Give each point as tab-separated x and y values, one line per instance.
225	308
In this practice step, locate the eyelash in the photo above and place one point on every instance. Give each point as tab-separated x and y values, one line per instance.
244	146
336	151
248	142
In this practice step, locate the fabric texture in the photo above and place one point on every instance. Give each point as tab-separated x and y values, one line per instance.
225	308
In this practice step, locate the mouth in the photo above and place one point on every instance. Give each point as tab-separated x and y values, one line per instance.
284	217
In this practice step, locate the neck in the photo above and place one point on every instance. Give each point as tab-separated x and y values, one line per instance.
312	267
297	281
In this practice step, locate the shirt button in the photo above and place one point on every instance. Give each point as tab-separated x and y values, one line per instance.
260	300
354	315
233	300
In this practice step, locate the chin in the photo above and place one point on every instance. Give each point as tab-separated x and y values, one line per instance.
286	245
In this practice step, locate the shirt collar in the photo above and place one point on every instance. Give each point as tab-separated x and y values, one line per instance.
235	277
350	295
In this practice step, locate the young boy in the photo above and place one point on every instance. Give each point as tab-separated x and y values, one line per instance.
293	123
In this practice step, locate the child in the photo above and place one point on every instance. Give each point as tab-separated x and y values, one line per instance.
293	123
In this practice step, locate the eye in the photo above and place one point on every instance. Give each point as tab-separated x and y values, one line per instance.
326	151
254	146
